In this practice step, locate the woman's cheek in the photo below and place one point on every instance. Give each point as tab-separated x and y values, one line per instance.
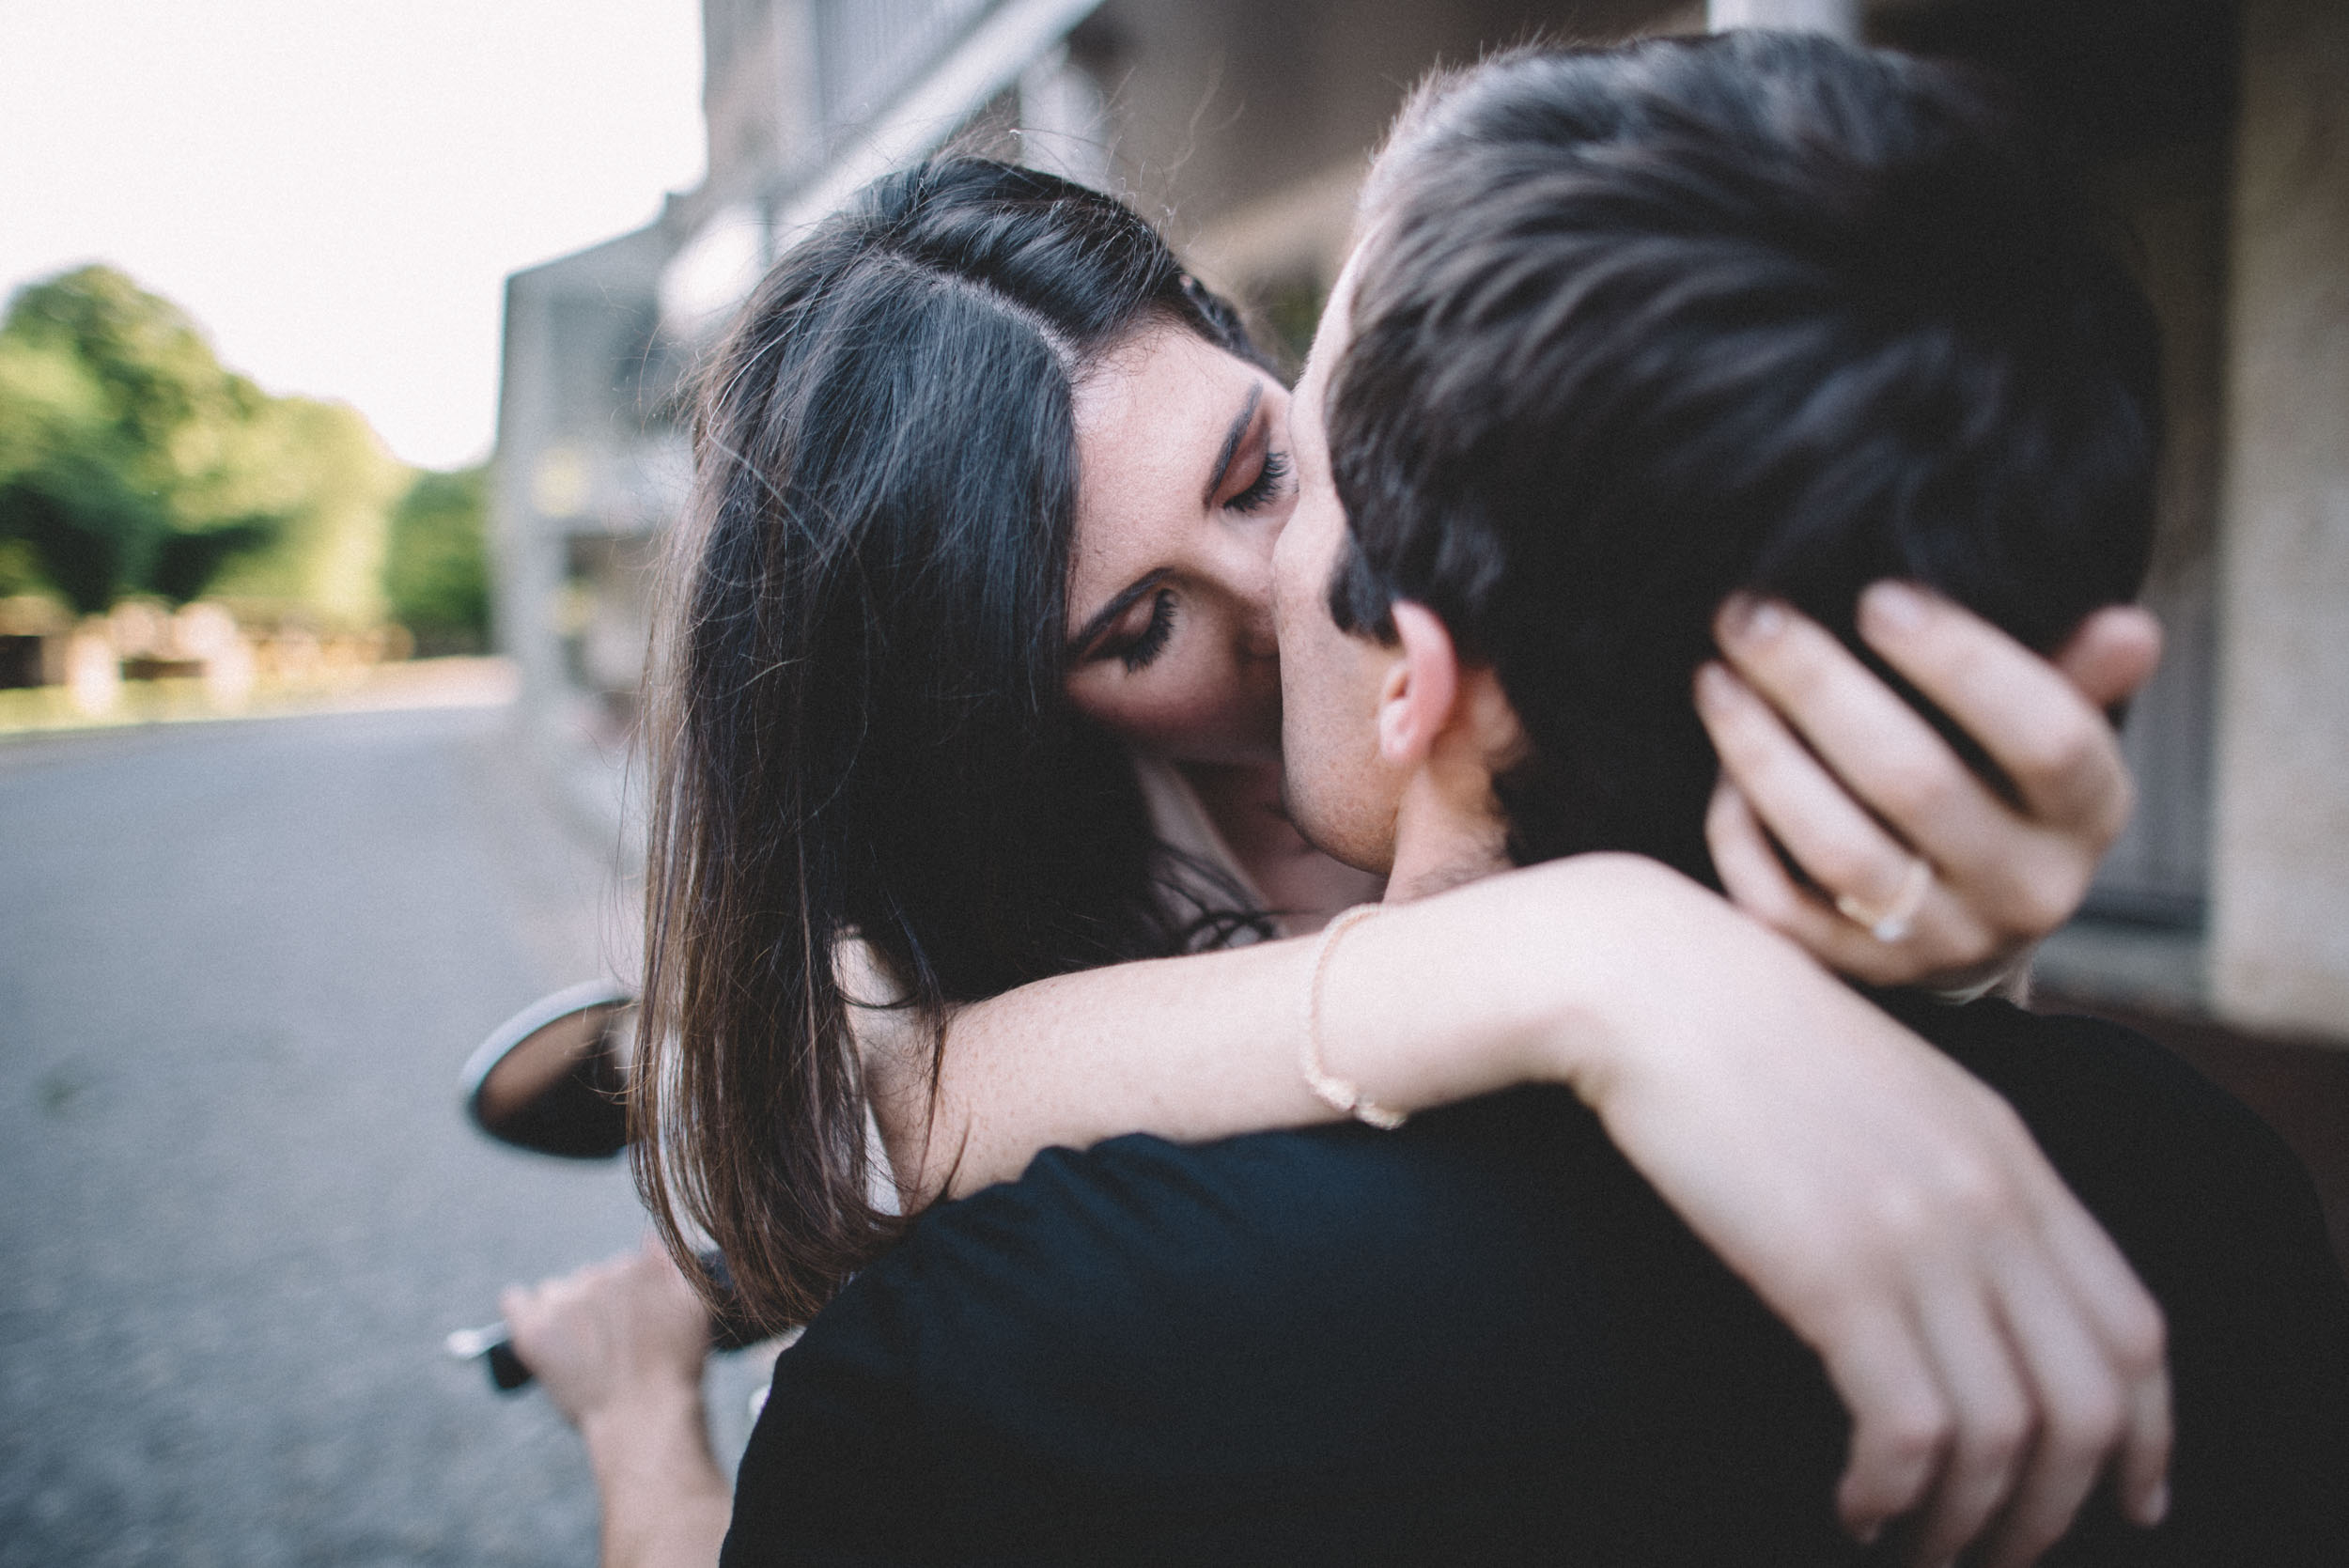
1217	710
1192	708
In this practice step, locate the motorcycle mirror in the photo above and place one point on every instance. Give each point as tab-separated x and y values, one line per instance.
551	1078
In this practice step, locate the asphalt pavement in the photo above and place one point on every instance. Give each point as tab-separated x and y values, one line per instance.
240	963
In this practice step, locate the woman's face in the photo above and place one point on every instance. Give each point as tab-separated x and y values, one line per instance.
1184	483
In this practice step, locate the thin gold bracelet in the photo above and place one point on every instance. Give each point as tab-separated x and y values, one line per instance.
1339	1094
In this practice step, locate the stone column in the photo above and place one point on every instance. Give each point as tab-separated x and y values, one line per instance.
2280	918
1839	18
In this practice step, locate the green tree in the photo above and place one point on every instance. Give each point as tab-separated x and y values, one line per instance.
319	469
77	512
436	569
131	462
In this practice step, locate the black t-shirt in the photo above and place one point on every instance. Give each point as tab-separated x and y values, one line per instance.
1484	1339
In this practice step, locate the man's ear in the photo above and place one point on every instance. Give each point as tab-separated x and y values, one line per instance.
1421	687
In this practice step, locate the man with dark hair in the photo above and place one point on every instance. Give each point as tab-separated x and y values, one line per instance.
1638	329
1628	330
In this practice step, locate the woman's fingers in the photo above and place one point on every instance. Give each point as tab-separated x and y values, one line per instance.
1900	1420
2143	1472
2130	1326
2113	655
1876	746
2046	1390
2086	1341
2051	741
1838	845
1993	1415
1751	874
602	1334
1757	881
2013	870
2082	1397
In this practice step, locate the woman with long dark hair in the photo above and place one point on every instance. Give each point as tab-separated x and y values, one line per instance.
966	742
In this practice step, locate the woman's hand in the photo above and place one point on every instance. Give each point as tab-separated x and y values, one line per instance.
619	1347
623	1332
1868	788
1996	1352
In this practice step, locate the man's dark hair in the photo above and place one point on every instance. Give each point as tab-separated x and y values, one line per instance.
1637	327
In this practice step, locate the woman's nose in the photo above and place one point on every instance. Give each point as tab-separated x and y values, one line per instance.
1244	581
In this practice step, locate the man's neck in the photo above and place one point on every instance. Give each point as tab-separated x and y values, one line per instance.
1245	805
1447	831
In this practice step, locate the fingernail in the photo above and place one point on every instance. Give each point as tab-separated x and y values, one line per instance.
1751	619
2157	1506
1896	606
1868	1533
1712	686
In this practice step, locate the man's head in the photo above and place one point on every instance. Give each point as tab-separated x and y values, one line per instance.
1631	329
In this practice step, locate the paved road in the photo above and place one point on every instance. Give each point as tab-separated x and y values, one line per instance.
240	965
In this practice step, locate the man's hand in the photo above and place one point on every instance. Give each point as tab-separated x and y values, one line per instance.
1996	1351
618	1346
1822	759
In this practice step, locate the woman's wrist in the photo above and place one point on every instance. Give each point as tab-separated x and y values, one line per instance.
1544	975
1652	963
645	1418
659	1481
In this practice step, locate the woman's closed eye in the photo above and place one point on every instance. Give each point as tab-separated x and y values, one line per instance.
1138	649
1269	484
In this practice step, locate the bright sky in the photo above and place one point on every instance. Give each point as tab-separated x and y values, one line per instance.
336	190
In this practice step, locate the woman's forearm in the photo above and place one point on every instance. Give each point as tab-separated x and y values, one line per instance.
618	1346
666	1504
1497	983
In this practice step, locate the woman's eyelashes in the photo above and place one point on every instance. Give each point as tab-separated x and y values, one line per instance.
1147	644
1270	481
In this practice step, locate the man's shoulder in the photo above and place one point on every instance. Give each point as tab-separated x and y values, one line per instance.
1151	1277
1179	1212
2101	1097
1288	1328
2186	1178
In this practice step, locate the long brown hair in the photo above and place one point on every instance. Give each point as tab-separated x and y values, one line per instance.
857	720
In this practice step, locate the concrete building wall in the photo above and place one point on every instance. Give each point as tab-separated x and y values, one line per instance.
1245	126
584	450
2279	935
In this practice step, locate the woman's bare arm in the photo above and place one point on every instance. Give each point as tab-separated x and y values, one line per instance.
1206	1046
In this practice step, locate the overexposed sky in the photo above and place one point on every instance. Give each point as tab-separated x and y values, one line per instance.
336	190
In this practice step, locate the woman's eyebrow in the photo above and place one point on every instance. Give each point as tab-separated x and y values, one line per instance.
1107	616
1231	443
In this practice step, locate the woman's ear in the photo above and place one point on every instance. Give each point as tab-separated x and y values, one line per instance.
1418	697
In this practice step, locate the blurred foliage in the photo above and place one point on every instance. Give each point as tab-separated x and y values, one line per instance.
436	572
1289	313
131	462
